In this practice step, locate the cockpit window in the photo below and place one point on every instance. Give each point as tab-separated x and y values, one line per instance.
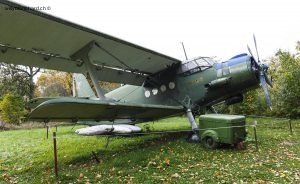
196	65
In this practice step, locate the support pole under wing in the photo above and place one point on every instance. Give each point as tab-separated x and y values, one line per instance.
97	86
83	54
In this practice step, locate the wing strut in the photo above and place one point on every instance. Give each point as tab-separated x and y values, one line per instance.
83	55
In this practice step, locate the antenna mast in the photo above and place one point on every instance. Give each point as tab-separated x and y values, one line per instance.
184	51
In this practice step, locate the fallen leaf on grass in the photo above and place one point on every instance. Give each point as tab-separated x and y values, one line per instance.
81	175
176	175
6	177
297	175
152	163
288	143
199	182
167	162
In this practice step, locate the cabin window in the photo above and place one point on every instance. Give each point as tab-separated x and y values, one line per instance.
196	65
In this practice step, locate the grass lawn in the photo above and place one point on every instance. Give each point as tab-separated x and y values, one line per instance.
26	156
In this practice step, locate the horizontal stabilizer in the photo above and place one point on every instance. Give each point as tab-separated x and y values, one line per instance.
33	103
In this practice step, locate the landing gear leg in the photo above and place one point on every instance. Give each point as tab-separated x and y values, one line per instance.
194	137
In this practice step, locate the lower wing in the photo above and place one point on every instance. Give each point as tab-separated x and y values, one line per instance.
76	109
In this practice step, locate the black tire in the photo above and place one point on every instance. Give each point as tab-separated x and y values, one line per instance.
210	143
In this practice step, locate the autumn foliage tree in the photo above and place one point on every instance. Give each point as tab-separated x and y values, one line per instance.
54	83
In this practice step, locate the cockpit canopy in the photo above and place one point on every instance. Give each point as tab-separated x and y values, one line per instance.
196	65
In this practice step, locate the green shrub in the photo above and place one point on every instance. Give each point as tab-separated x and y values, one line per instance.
11	109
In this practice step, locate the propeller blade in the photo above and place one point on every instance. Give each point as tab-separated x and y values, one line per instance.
249	50
255	62
256	48
263	83
264	69
269	82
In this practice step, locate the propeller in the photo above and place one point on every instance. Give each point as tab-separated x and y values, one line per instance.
263	71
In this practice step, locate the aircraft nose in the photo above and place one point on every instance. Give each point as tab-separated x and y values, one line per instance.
236	72
262	69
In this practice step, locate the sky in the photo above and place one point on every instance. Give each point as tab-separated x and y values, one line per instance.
220	28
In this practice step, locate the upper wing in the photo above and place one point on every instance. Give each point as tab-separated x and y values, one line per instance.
33	38
75	109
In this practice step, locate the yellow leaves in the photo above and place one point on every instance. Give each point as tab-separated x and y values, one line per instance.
6	177
176	175
161	165
287	175
260	181
297	175
98	175
165	180
81	175
200	181
282	174
169	179
184	170
188	163
84	178
151	163
129	179
61	79
167	162
217	173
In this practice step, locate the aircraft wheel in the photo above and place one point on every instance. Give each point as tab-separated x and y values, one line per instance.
210	143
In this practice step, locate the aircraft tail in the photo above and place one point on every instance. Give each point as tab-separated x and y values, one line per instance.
81	87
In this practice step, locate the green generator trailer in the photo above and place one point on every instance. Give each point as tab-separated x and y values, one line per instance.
216	129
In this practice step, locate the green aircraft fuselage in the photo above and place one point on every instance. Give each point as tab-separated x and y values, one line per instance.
204	85
195	85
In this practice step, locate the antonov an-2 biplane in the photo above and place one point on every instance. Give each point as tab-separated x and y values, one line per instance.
157	86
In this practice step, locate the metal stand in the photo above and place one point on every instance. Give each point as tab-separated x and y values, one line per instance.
55	155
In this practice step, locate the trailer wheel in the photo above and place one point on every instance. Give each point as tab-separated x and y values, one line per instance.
241	145
210	143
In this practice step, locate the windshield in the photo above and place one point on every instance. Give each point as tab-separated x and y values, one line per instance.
196	65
